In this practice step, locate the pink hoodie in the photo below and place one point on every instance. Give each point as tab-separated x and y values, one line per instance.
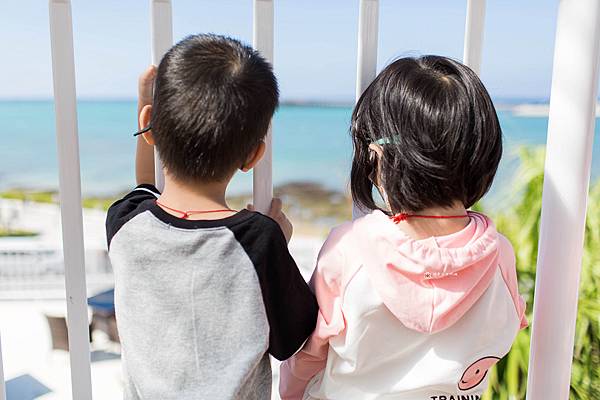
407	319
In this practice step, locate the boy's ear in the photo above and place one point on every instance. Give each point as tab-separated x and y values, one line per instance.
145	118
254	157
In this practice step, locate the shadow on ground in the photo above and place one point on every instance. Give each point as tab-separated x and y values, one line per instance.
101	355
25	387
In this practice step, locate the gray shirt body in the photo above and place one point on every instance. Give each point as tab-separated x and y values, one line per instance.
201	304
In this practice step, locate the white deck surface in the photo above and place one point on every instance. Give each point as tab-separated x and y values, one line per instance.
34	371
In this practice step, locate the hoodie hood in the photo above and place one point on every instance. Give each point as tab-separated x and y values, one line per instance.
429	284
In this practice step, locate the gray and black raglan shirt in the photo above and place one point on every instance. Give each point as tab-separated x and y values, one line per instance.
201	304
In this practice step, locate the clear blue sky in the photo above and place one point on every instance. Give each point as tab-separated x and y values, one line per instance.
315	42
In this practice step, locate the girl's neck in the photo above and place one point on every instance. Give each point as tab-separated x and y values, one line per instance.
422	228
195	197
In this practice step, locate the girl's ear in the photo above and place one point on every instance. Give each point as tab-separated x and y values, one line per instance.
254	157
376	179
144	121
377	149
376	154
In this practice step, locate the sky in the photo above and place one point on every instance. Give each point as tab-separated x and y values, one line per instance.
315	43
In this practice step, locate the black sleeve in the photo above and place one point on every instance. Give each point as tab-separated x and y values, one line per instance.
290	305
128	207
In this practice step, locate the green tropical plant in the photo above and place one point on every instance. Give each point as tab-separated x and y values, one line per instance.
521	223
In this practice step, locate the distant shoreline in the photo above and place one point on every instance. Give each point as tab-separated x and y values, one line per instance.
312	207
518	107
501	102
290	102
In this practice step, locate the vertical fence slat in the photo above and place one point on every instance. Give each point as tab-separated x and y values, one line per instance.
473	46
368	29
63	72
566	183
262	39
161	32
2	385
366	62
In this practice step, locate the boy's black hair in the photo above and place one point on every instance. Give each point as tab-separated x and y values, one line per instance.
213	101
439	132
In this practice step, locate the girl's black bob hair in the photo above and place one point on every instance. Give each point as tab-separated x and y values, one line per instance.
439	133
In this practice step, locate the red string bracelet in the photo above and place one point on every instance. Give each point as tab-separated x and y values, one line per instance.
186	214
404	216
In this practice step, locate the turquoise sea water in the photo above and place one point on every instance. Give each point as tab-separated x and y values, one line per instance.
311	143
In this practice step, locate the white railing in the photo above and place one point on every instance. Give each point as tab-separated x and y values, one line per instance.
161	34
366	61
566	181
262	39
368	31
34	270
570	134
63	73
2	386
473	45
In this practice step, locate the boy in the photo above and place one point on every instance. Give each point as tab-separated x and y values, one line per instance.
204	293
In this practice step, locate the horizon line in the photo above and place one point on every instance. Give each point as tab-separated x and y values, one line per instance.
285	102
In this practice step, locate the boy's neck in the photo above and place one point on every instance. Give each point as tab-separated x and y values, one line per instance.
195	197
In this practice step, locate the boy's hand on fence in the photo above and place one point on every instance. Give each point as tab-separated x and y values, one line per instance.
276	213
146	85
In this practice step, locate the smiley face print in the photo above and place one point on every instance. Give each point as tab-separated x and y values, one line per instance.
476	372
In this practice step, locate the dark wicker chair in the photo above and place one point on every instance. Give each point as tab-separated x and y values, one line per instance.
59	332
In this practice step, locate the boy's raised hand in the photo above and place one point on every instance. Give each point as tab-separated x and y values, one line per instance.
276	213
144	159
146	85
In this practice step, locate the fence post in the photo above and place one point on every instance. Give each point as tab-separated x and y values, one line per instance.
161	32
63	73
566	182
366	63
262	39
2	385
473	46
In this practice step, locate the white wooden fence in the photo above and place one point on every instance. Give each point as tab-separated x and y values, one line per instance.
2	388
366	60
161	33
568	161
566	181
63	73
262	40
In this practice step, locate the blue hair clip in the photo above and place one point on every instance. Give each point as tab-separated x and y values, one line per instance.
384	140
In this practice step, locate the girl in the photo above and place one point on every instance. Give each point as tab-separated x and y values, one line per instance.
418	299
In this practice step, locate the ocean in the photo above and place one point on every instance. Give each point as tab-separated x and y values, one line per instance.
311	143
